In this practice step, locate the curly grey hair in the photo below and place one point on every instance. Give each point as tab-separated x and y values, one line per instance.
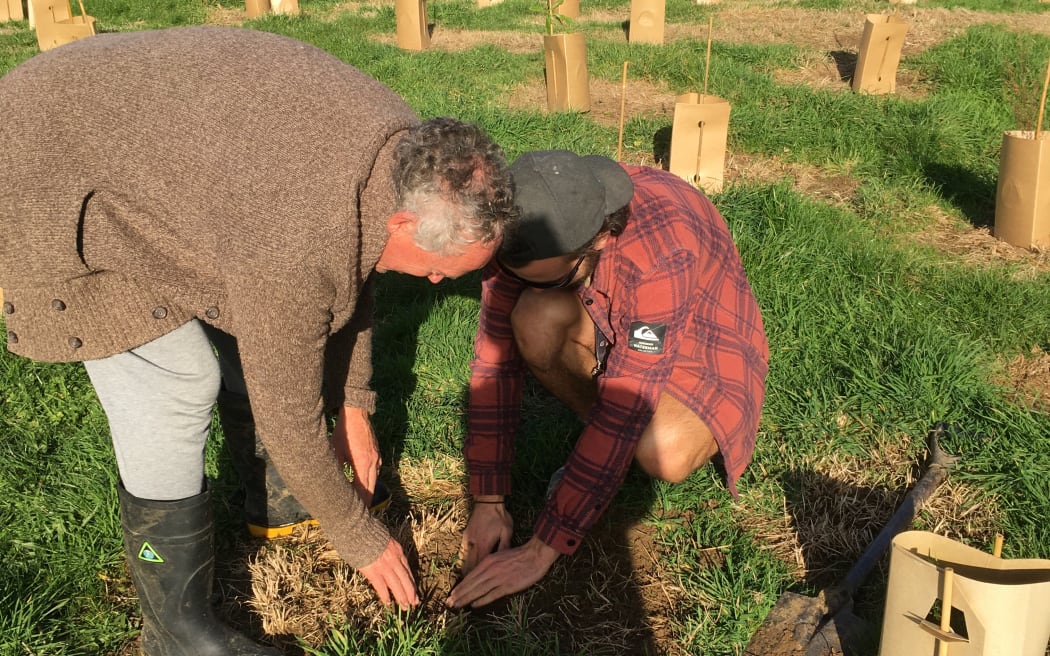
453	177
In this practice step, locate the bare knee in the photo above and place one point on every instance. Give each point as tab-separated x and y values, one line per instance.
676	443
670	465
542	322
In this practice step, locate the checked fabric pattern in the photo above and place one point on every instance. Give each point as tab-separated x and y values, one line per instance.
674	272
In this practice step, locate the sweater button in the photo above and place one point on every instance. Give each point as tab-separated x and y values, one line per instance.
160	312
12	338
75	342
212	312
58	305
9	307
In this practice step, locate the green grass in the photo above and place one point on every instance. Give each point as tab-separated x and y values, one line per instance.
863	322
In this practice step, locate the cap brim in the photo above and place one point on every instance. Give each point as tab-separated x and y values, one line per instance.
617	184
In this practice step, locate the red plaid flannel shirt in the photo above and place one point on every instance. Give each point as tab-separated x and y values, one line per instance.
674	265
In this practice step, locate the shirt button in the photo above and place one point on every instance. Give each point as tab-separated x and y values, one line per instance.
160	312
12	338
75	342
9	307
589	301
58	305
212	312
571	543
603	343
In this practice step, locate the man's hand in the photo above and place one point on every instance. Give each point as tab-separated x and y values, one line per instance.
489	529
503	573
391	578
354	442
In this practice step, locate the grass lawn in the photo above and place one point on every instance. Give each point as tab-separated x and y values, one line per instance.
864	223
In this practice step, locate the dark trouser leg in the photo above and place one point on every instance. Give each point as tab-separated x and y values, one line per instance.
269	508
171	555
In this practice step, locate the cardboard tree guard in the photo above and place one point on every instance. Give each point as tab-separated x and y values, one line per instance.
879	54
413	33
11	10
998	607
569	9
256	8
1022	197
699	132
647	21
56	24
287	7
565	61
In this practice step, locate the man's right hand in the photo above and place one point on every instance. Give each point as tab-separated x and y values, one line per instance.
489	529
391	577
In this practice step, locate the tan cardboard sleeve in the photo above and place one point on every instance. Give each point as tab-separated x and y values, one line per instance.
699	132
1000	606
289	7
565	61
879	54
256	8
56	24
11	10
647	21
1022	197
413	33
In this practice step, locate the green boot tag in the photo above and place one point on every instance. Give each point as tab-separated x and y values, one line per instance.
147	554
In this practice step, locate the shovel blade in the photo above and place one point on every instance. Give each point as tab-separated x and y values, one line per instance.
799	626
789	626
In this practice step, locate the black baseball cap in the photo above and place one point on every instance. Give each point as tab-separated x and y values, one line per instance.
564	199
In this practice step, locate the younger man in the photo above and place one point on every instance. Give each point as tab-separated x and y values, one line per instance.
623	293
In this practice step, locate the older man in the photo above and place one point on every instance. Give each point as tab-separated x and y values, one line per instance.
157	183
622	292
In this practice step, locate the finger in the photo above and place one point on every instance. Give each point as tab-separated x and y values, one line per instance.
470	588
469	556
381	591
407	583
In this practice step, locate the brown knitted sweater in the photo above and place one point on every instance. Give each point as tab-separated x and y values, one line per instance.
234	176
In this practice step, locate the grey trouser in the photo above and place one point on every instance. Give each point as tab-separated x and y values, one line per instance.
158	399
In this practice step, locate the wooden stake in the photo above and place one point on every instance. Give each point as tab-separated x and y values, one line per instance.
997	549
623	104
946	610
1042	102
707	63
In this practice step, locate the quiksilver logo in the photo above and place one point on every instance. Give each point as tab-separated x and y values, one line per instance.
647	337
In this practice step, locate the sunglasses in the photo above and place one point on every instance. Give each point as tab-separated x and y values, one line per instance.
553	284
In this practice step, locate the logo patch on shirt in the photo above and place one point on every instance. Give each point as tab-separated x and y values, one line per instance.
647	337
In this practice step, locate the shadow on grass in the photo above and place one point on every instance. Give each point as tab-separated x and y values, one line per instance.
973	195
662	147
604	598
835	521
845	63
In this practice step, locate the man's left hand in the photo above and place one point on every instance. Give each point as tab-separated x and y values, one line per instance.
503	573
